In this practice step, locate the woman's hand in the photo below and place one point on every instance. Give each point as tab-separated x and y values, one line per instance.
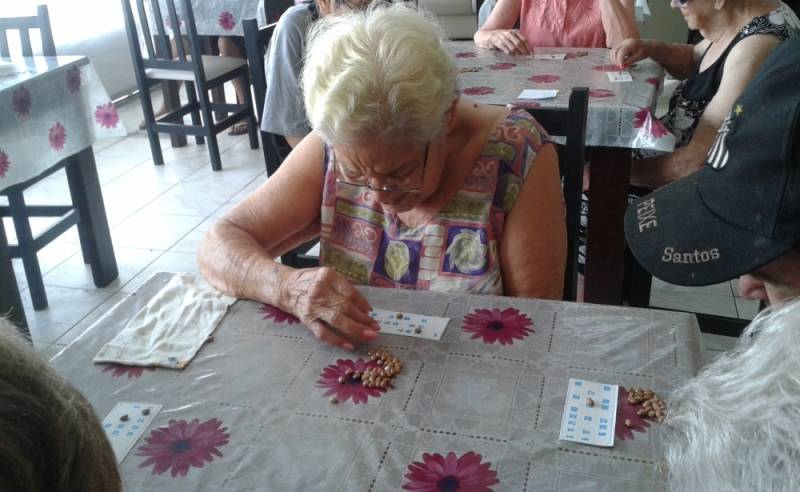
329	306
510	42
629	52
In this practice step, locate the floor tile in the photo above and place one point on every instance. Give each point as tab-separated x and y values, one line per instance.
189	200
50	257
717	342
75	274
73	333
171	261
191	241
66	308
694	303
51	351
723	289
111	168
174	172
153	231
747	308
123	198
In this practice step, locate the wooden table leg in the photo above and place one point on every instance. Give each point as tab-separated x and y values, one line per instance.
10	300
84	188
605	248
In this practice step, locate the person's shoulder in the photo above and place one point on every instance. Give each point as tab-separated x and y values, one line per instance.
781	22
296	17
524	125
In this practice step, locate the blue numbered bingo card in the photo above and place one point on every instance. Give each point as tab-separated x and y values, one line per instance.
590	413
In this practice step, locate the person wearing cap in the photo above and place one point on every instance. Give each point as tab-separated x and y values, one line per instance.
740	214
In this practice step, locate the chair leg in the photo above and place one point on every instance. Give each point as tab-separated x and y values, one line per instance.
252	129
84	187
10	300
149	121
208	123
27	249
191	94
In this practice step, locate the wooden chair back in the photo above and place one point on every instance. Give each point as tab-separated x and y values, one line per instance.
24	25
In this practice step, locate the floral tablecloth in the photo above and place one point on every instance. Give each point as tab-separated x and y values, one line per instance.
218	17
481	406
52	108
620	113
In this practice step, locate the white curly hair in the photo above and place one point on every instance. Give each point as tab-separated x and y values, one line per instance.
736	426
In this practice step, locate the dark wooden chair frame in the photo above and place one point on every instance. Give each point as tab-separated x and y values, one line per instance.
199	106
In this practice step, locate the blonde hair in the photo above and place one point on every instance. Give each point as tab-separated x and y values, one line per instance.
380	73
50	438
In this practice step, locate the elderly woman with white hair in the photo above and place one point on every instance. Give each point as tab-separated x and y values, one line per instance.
407	184
735	426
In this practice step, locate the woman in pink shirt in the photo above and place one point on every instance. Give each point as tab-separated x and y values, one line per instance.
550	23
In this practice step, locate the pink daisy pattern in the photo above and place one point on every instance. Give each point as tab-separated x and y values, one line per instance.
106	115
133	372
494	325
478	91
21	102
466	54
544	79
5	163
601	93
351	387
437	473
182	445
501	66
644	119
653	81
278	315
226	21
627	411
57	136
73	79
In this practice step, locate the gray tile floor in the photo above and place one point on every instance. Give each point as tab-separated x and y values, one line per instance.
158	214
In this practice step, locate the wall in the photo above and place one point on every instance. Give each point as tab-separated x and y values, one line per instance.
665	23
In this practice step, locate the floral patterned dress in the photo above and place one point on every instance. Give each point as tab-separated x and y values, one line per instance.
457	251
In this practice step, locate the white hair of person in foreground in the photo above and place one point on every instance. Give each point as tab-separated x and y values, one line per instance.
736	426
399	92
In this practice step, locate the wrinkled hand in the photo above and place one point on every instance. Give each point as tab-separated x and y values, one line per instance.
629	52
510	42
330	307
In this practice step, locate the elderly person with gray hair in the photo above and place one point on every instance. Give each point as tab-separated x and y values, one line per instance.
50	438
407	184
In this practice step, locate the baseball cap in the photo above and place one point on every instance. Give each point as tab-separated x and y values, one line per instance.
742	209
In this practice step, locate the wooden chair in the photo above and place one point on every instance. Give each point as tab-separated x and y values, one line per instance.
571	124
275	147
86	211
199	72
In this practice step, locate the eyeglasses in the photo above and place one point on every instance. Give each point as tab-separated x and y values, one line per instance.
679	3
405	184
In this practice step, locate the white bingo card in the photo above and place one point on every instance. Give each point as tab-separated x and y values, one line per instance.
590	413
126	423
409	324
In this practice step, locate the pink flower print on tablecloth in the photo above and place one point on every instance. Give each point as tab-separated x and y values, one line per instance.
644	119
478	91
73	78
120	370
21	102
226	21
526	104
494	325
5	163
437	473
278	315
57	136
607	68
627	411
653	81
544	79
106	115
466	54
182	445
350	387
501	66
601	93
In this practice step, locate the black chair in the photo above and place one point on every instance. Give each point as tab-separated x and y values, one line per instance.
197	71
275	147
571	124
86	211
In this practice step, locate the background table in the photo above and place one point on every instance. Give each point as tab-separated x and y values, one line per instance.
53	110
250	402
620	118
224	17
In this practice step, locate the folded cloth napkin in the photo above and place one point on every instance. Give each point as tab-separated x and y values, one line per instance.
7	68
171	328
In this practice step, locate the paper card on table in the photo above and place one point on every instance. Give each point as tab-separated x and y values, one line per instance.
590	413
623	76
126	423
409	324
549	56
538	94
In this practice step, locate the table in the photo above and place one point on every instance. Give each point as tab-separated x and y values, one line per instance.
54	109
256	394
620	118
219	17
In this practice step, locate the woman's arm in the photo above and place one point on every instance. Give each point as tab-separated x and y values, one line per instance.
741	66
679	60
236	255
533	252
619	20
498	32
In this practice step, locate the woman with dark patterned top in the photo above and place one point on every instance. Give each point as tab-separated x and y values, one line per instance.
737	36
